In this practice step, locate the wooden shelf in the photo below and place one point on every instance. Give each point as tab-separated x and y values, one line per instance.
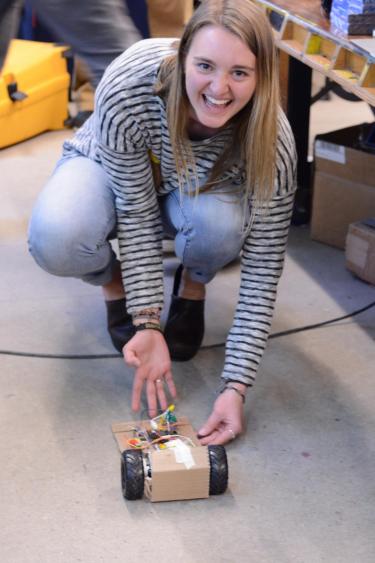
312	42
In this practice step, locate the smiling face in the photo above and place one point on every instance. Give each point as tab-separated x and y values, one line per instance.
220	77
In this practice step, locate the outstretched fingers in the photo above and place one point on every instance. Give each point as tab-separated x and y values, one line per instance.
170	383
151	395
137	391
155	392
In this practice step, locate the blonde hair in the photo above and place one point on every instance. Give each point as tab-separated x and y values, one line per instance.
255	126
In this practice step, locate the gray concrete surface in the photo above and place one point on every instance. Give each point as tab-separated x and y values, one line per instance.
302	476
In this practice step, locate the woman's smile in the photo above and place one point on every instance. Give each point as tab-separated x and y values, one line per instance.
215	104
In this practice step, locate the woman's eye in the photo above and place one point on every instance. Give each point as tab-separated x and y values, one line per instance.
239	74
204	66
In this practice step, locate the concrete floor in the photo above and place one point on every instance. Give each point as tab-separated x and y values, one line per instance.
301	478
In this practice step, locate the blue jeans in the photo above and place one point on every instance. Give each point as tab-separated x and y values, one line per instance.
74	219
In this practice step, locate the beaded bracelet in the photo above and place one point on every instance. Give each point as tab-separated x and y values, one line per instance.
143	320
149	314
149	318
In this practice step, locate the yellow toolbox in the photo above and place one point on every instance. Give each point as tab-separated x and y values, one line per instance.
34	90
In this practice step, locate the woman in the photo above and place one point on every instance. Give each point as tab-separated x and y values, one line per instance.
187	139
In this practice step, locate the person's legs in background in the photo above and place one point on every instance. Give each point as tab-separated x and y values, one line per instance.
97	30
10	15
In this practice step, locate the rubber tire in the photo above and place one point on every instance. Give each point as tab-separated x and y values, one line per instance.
132	474
218	469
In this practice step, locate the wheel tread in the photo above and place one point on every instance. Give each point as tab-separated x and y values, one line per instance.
132	474
218	469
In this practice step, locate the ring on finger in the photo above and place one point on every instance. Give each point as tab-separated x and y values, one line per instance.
232	433
158	381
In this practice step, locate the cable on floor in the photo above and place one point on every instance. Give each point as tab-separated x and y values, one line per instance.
219	345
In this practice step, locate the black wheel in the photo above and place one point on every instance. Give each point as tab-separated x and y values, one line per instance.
132	475
218	469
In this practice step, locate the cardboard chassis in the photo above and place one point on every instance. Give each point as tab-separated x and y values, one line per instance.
170	480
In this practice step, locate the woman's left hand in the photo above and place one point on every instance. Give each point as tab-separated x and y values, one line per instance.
226	420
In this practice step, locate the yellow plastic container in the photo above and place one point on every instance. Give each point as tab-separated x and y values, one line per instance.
34	90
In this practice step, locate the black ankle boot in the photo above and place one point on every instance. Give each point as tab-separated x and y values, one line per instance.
184	328
119	323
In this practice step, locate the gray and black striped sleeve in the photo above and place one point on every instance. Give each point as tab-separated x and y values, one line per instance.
126	111
261	266
139	227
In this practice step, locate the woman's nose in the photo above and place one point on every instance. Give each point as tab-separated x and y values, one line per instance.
219	84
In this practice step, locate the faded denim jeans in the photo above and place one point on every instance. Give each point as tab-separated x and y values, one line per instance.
74	219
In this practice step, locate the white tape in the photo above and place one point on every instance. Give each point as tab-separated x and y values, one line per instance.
330	151
182	452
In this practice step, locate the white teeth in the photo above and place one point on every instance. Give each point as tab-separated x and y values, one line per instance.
217	102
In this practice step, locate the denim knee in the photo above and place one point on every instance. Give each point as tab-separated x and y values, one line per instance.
67	249
72	221
211	237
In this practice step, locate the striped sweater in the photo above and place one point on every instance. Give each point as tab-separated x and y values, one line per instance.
128	123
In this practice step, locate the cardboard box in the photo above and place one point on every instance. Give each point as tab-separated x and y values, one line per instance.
360	250
344	183
167	18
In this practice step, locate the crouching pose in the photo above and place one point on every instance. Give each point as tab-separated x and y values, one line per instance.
187	138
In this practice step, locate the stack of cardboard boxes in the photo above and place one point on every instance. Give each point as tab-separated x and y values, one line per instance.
344	193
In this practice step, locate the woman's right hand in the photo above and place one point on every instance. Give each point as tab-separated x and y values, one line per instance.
148	353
